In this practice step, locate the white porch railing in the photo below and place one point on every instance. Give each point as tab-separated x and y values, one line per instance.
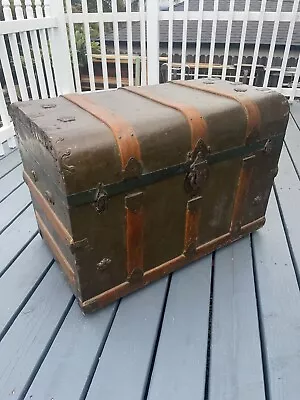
41	57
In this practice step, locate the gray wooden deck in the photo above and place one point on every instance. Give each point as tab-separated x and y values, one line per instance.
226	327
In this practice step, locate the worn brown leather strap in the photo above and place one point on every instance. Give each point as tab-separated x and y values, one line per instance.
123	132
251	109
196	122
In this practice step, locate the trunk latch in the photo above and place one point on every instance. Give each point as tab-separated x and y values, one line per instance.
198	170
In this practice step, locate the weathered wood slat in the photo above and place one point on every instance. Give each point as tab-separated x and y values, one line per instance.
21	278
16	236
72	355
127	354
13	205
235	359
23	348
288	191
180	363
279	305
9	162
10	181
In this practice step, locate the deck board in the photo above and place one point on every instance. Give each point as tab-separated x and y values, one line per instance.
183	339
131	341
235	341
242	313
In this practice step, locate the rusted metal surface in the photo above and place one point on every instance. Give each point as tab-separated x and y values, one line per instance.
196	122
251	109
123	132
208	169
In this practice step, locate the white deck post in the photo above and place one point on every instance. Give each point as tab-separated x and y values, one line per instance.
153	42
59	47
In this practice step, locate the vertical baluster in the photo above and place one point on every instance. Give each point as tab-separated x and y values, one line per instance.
143	43
45	51
296	79
7	130
102	44
73	46
26	52
242	43
288	44
213	39
129	42
87	35
184	38
198	43
170	39
257	42
228	36
15	52
10	85
36	52
60	51
116	42
273	43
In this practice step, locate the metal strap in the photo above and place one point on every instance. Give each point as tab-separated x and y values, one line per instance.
195	120
251	109
123	132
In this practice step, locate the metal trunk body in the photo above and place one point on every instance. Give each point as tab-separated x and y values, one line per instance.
129	185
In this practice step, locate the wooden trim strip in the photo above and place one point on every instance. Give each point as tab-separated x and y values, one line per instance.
123	132
192	219
50	214
195	120
243	187
251	109
125	288
58	255
134	236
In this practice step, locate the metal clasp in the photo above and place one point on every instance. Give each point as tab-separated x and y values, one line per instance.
198	171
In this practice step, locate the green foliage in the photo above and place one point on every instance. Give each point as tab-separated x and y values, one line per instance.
81	46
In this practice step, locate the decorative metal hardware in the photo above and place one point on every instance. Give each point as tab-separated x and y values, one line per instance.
69	169
257	200
79	245
101	200
240	89
49	197
134	201
48	106
34	175
66	119
103	264
268	147
133	168
135	276
198	171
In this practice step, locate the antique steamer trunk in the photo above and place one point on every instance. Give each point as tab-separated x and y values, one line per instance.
129	185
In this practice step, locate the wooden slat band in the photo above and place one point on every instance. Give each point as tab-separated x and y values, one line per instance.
123	132
47	210
241	193
251	109
192	219
134	236
194	119
58	255
153	274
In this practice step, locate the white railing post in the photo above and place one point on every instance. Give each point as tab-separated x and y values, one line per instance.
7	129
59	47
152	42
